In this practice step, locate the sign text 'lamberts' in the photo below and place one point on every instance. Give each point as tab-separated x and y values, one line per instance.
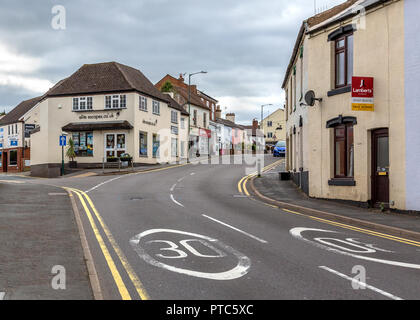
362	94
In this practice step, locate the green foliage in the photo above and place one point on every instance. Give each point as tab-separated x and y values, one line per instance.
167	87
70	150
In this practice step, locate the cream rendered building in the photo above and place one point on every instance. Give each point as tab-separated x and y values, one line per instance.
359	156
107	109
274	127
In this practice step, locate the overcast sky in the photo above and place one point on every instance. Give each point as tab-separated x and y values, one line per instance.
244	45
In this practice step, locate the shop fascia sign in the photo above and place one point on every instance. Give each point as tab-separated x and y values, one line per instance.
362	94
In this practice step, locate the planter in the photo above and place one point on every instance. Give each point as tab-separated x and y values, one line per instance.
112	159
125	162
72	164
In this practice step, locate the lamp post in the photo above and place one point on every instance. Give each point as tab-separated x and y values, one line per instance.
262	113
189	108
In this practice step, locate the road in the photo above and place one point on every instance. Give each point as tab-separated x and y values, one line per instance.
188	232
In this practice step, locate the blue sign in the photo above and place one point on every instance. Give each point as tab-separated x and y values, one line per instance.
63	141
13	143
1	145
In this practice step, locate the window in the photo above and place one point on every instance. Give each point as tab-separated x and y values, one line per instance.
156	145
174	116
13	157
83	143
156	107
82	103
269	123
205	120
116	101
182	123
269	135
143	144
174	147
343	151
174	130
195	118
343	60
142	103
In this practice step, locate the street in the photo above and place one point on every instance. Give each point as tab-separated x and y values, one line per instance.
191	232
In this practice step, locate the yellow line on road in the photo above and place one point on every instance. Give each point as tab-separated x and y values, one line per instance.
134	278
242	183
361	230
125	295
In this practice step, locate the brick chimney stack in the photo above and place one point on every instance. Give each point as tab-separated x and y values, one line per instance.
181	77
254	126
230	117
218	113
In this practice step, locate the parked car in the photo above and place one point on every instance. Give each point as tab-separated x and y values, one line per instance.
280	149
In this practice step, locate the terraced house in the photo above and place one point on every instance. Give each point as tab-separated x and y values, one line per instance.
107	109
359	141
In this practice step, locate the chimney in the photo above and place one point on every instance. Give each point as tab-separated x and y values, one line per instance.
254	126
181	77
218	112
230	117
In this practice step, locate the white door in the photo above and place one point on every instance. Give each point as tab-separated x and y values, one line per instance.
115	144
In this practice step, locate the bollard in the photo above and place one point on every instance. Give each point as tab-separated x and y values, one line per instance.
259	167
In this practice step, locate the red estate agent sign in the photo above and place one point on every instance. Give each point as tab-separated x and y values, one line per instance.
362	94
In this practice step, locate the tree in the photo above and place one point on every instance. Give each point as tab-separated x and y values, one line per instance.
70	150
167	87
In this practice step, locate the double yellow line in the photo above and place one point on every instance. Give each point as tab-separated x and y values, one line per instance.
122	288
242	183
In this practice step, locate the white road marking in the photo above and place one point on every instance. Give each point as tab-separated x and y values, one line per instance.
12	181
241	269
57	194
296	232
236	229
102	183
362	284
2	295
173	199
173	187
192	173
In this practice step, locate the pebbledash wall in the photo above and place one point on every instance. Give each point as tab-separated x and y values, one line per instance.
54	113
412	102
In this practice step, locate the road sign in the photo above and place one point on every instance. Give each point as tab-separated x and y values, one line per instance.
362	94
63	141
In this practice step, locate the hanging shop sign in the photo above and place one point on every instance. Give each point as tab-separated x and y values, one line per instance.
362	94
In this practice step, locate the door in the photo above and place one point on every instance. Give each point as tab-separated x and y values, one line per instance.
115	145
4	154
380	167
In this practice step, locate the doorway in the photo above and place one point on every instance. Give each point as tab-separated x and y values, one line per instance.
4	161
380	167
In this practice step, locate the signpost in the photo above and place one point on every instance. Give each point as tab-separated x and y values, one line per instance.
362	94
63	143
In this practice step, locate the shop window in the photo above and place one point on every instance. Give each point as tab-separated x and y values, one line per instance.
83	144
343	60
1	158
343	151
156	145
143	144
13	157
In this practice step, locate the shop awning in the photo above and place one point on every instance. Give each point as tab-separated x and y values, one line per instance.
92	126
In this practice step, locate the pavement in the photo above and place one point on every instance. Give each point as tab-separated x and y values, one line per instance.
190	232
270	188
38	234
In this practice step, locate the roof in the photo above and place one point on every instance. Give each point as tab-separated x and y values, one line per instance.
229	123
23	107
104	125
279	109
195	98
105	77
312	21
175	105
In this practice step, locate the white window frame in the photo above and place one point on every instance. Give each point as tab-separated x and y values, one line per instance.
156	107
174	116
142	103
182	123
115	149
116	101
86	100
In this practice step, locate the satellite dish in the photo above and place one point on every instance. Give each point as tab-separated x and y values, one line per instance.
310	98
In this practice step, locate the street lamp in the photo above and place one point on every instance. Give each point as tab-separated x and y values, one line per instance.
189	106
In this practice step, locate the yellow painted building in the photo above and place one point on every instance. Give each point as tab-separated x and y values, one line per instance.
274	127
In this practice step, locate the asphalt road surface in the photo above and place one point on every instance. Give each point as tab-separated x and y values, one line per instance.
189	233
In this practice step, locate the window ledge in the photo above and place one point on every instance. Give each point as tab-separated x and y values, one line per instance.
343	182
335	92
